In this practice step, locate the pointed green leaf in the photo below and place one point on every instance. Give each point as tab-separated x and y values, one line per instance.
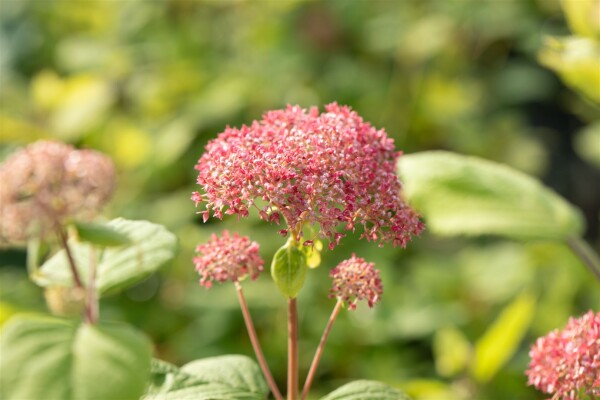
501	340
452	351
366	390
102	235
460	195
53	359
223	378
117	267
288	269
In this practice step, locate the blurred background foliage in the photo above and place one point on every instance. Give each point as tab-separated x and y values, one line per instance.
150	82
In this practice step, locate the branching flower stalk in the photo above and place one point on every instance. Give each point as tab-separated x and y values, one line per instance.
46	186
234	258
256	344
353	280
317	357
330	171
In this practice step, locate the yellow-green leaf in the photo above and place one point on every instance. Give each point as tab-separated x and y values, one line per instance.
500	341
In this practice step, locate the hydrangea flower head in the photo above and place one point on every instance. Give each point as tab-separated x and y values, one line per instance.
48	183
354	280
228	258
566	363
325	169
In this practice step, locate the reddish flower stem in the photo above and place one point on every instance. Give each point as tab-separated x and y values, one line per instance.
292	382
319	352
256	345
62	236
91	303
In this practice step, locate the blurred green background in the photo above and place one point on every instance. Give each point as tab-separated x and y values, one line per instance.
150	82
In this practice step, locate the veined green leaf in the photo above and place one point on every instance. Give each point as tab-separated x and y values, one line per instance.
227	377
460	195
366	390
151	246
53	359
100	234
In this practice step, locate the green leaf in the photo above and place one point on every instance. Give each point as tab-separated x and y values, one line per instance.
366	390
101	235
117	267
452	351
582	16
575	60
53	359
217	378
288	269
460	195
501	340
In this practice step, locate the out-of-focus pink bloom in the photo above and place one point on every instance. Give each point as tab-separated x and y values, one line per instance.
354	280
327	169
228	258
48	183
566	363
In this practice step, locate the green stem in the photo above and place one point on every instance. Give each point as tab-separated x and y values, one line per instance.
586	254
292	382
319	352
256	344
91	301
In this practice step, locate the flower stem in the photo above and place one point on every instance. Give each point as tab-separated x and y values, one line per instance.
62	235
292	382
585	253
319	352
256	345
91	301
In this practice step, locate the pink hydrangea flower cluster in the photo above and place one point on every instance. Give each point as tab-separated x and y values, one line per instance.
354	280
48	183
228	258
566	363
327	169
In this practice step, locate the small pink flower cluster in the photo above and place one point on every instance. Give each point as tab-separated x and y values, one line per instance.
328	169
49	182
355	279
228	258
567	363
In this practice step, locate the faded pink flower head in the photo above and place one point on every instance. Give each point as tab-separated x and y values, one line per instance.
48	183
228	258
566	363
354	280
327	169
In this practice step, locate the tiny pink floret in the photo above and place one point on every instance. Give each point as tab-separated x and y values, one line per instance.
228	258
327	169
354	280
566	363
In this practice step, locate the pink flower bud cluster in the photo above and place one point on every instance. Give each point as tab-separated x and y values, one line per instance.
228	258
566	363
354	280
48	183
327	169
